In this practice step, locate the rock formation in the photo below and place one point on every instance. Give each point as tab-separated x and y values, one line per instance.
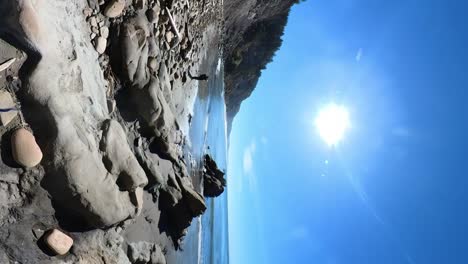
213	178
95	139
253	31
95	104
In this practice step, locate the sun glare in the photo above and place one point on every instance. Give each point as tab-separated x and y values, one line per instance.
332	122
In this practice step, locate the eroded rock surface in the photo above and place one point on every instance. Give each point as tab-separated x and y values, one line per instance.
107	101
213	178
253	33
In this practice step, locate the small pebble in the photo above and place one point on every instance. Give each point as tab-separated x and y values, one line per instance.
114	8
152	63
93	21
169	37
87	12
104	31
25	150
59	242
101	44
152	15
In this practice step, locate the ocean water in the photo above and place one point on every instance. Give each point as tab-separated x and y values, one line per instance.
207	238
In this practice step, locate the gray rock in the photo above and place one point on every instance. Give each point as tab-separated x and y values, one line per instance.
140	252
152	63
101	45
111	105
153	14
87	12
100	247
157	256
93	21
135	51
213	178
119	159
114	8
104	31
145	252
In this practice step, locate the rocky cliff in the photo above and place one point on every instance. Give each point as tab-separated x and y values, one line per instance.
95	106
253	31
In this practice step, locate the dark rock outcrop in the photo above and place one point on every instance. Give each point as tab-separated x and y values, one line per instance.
213	178
253	30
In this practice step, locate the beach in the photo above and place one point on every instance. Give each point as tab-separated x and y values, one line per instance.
109	97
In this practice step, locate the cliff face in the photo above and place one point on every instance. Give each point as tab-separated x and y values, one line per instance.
253	31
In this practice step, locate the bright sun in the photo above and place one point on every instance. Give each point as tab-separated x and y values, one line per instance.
332	122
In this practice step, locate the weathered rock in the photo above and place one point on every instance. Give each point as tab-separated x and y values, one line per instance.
114	8
111	105
145	252
25	149
153	14
101	247
101	45
135	50
119	159
6	103
140	252
140	4
93	21
87	12
137	199
152	63
59	242
104	31
169	37
249	45
157	256
213	178
195	202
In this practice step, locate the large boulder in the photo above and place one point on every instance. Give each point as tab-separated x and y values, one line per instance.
213	178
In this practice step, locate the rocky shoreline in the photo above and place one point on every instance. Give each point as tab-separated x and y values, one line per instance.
105	90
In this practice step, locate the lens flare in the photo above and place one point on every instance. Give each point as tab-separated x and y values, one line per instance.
332	122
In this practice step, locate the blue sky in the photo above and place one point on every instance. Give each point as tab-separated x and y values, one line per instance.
395	189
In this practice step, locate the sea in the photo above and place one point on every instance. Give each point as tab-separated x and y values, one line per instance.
207	238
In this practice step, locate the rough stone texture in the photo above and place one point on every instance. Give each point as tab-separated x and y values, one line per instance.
213	178
119	159
101	44
145	252
96	162
25	149
137	199
104	32
58	241
253	31
114	8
